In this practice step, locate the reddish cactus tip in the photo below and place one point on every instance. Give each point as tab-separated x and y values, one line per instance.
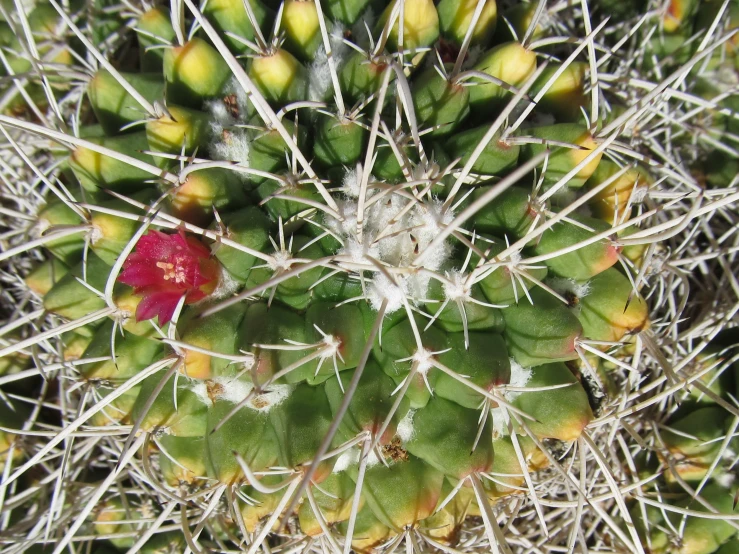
164	268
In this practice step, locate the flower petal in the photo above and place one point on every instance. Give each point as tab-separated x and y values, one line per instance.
197	248
156	245
161	304
141	274
164	268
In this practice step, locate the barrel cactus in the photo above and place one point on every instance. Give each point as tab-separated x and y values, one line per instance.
334	276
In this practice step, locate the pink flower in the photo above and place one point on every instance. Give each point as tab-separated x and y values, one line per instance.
166	267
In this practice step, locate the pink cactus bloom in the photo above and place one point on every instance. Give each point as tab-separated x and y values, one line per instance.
164	268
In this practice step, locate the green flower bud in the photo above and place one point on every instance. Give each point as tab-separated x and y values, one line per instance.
302	28
279	77
497	158
420	25
229	16
334	500
247	433
399	343
205	190
251	228
217	333
67	249
338	142
183	417
603	311
563	159
132	354
370	404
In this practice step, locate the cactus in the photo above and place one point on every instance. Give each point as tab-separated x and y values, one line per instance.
333	276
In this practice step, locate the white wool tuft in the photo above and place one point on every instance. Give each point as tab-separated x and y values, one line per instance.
562	286
319	77
319	72
515	258
433	218
519	378
358	252
351	184
221	113
500	427
242	98
281	260
200	389
405	427
348	212
221	116
95	234
457	289
405	236
267	400
418	285
227	286
726	480
351	457
347	459
383	288
235	390
438	255
229	142
381	219
231	145
424	360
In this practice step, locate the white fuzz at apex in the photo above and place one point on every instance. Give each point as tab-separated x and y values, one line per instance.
383	289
